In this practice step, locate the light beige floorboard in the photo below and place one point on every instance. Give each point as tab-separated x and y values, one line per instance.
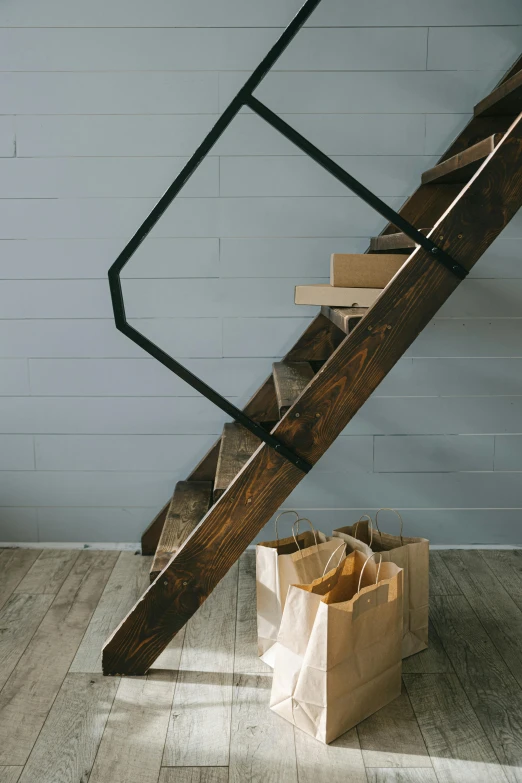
194	775
429	661
262	748
10	774
128	581
460	751
19	620
246	659
339	762
401	776
441	580
48	572
199	729
14	564
487	681
67	745
391	737
498	613
29	693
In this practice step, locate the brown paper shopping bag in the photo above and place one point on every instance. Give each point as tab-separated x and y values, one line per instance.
298	559
338	657
411	554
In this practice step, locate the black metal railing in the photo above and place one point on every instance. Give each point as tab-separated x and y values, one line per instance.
243	98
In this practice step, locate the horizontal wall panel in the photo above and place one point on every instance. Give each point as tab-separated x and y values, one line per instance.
442	129
409	490
437	416
297	176
102	177
433	453
164	135
483	298
448	527
234	296
508	452
469	337
57	338
120	452
108	93
7	137
16	453
285	257
14	376
197	217
473	48
102	525
91	258
245	13
220	49
453	376
18	524
55	299
271	337
56	488
501	259
396	91
105	415
142	377
348	454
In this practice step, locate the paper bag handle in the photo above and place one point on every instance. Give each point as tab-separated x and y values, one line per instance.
289	511
370	520
395	512
333	553
314	531
373	554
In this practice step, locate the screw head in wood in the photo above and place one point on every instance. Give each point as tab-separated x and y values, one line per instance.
249	500
370	328
165	583
297	415
185	584
317	415
459	236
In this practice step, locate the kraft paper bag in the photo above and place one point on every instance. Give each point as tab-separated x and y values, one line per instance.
298	559
411	554
338	657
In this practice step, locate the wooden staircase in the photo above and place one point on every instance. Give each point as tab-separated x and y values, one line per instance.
463	203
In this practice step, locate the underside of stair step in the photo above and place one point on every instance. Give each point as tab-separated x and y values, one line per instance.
291	379
506	99
459	169
345	318
190	502
394	243
237	446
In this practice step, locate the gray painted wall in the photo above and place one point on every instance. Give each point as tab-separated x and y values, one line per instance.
101	104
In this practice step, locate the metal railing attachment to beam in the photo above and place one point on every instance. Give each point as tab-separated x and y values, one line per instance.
245	98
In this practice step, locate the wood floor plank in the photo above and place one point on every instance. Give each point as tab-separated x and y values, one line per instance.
133	739
487	681
29	692
246	659
441	580
10	774
199	729
48	572
262	747
67	745
401	776
493	604
429	661
391	737
14	564
506	564
129	579
339	762
194	775
460	751
19	620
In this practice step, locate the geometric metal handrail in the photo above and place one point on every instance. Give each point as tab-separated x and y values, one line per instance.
245	98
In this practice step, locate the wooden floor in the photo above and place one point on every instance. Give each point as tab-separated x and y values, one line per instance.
201	716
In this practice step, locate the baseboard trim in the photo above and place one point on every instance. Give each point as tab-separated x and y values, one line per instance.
136	547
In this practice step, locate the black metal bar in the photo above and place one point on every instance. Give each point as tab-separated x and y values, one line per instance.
357	187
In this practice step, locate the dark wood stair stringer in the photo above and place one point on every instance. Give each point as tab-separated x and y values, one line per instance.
349	376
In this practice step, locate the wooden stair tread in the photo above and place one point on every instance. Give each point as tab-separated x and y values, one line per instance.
460	168
190	502
389	243
345	318
291	379
506	99
237	446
